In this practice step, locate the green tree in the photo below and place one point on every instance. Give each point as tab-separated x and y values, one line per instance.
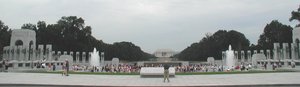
29	26
213	45
275	32
296	16
5	34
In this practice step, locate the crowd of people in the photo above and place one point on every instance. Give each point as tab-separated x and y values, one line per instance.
124	68
127	68
4	66
130	68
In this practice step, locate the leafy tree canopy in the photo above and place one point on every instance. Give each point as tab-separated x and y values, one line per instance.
296	16
275	32
5	34
213	45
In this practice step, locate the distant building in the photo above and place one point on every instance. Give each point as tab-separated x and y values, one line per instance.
164	53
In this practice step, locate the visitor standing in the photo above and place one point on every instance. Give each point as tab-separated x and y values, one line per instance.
293	64
67	67
265	66
166	72
53	67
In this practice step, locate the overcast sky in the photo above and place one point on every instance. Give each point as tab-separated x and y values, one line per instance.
154	24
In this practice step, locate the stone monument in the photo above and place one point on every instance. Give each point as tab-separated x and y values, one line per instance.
211	60
115	61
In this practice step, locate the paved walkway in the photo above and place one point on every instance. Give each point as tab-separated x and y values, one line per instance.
136	80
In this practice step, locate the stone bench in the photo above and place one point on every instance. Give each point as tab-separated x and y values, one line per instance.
156	71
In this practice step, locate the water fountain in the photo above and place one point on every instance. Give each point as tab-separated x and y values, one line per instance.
95	59
230	58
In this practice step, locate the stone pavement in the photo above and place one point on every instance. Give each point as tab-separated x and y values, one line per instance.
136	80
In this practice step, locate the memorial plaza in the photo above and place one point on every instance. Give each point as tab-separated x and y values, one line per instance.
283	79
31	58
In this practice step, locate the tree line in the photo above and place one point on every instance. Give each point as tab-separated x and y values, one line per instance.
71	34
213	45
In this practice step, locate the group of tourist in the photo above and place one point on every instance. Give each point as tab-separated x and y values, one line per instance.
124	68
211	68
4	66
198	68
52	67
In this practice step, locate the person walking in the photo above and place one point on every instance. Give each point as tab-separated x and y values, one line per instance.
65	68
166	72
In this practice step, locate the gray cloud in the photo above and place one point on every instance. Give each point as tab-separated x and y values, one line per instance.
154	24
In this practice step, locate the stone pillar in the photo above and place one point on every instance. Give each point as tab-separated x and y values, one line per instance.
276	51
54	57
48	52
24	53
5	53
35	54
293	57
65	53
298	51
262	52
268	54
285	54
236	57
249	56
18	53
80	57
102	59
15	53
83	57
115	62
223	58
90	55
242	56
41	52
58	53
285	51
255	51
12	52
31	53
72	54
77	57
8	53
